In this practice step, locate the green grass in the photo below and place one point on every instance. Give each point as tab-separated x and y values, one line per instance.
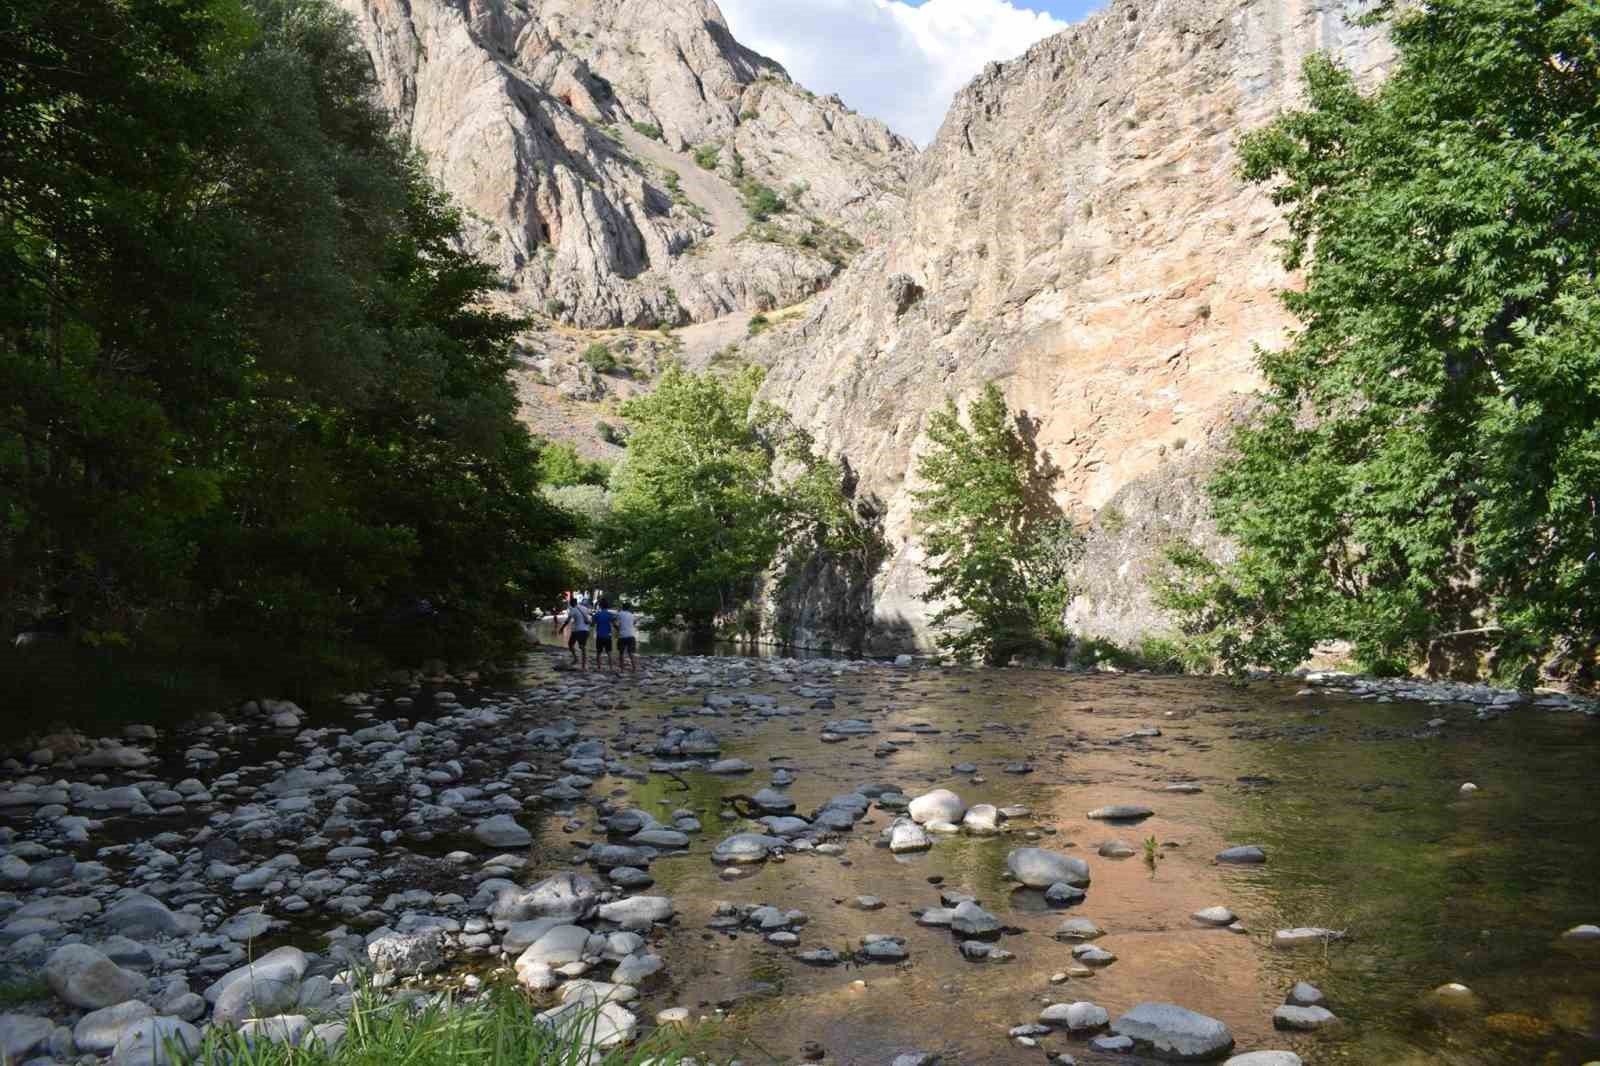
499	1028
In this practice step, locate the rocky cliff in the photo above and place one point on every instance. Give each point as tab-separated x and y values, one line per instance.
1078	233
606	153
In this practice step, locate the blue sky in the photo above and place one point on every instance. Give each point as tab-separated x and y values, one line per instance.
897	60
1066	10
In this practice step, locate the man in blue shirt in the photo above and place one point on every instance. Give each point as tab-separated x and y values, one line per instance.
603	621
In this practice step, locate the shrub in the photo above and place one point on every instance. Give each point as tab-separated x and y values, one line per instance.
761	201
611	434
707	156
759	324
599	358
648	129
554	307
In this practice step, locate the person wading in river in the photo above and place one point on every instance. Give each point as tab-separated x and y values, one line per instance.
578	622
627	640
603	620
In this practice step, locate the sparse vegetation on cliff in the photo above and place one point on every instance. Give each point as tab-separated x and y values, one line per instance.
1427	465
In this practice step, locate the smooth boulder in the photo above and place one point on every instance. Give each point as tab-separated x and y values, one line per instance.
1039	868
940	805
1173	1033
85	978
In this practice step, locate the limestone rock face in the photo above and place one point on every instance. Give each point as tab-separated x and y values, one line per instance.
555	125
1078	233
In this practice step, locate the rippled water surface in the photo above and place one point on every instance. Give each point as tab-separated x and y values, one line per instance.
1357	805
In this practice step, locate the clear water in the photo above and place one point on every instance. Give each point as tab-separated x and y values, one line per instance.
1357	805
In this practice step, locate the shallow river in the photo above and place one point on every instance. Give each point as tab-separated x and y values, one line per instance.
1357	804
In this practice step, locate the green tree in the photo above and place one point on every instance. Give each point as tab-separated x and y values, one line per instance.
560	465
997	545
251	406
695	520
1427	461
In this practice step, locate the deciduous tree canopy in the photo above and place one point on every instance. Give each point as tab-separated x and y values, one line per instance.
1428	459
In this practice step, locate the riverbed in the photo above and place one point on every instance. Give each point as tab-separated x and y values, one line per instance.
1356	804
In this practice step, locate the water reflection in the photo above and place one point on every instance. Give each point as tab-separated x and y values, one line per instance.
1356	804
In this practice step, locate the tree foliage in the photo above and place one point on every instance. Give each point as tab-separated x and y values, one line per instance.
247	387
997	546
1428	459
716	490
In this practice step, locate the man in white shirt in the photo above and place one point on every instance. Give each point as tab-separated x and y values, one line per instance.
578	622
627	639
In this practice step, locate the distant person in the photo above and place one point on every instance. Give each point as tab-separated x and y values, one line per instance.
627	639
603	621
578	621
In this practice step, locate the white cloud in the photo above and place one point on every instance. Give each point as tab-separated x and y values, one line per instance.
886	58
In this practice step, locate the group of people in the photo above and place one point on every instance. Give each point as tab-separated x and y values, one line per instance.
607	626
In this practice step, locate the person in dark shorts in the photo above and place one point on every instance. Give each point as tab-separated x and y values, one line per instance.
578	622
627	639
603	621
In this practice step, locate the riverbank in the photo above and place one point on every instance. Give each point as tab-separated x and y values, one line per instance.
554	828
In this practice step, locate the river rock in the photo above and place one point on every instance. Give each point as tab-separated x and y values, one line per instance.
1174	1033
771	801
98	1032
138	915
1303	1019
1121	812
1062	894
730	766
1306	936
940	805
634	969
571	897
879	947
1305	995
1115	849
660	838
982	819
1215	916
152	1042
1582	933
1265	1058
288	1030
266	987
1078	929
20	1034
1453	998
1081	1017
603	1025
908	836
742	848
85	978
502	831
970	920
1090	955
637	913
407	954
557	947
1244	855
1038	868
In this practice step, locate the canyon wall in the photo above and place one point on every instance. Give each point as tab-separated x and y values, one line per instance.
1078	233
567	130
